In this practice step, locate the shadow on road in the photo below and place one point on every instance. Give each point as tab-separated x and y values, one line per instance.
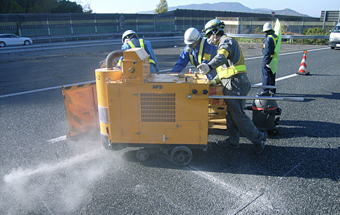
317	160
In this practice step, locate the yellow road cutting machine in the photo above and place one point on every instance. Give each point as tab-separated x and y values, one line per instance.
158	112
168	113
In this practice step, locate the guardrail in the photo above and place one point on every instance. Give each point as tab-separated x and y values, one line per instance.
78	37
290	37
161	38
65	38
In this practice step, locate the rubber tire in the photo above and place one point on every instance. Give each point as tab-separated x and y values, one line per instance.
27	42
181	156
2	44
142	154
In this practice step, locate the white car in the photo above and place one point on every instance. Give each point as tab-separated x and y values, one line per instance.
12	39
334	37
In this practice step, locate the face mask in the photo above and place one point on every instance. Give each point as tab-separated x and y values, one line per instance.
212	41
190	47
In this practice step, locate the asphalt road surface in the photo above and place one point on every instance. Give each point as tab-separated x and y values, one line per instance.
43	173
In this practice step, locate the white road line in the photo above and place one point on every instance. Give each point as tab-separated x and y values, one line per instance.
285	77
164	70
58	139
282	78
30	91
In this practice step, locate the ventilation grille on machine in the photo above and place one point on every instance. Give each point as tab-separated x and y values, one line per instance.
158	107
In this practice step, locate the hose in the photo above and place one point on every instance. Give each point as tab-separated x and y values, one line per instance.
111	56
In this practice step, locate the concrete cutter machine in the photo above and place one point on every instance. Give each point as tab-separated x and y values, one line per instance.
160	113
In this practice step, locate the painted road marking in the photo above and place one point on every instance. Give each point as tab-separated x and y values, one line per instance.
165	70
58	139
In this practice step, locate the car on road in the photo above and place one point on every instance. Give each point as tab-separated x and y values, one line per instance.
334	37
12	39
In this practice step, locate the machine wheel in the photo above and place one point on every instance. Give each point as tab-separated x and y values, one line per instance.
181	156
142	154
274	132
26	43
2	44
332	47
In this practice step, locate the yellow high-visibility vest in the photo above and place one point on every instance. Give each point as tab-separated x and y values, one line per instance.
141	43
239	67
201	56
275	41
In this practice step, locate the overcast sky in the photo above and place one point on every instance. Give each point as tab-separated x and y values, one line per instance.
308	7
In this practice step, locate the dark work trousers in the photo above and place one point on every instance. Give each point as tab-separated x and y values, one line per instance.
237	120
268	78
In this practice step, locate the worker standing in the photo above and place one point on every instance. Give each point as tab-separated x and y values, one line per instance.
268	50
197	51
130	40
231	70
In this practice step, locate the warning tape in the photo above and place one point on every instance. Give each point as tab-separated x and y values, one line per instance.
79	85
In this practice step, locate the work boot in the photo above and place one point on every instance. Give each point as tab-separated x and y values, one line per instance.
259	147
227	144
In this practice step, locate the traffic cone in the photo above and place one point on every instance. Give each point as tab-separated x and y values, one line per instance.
303	65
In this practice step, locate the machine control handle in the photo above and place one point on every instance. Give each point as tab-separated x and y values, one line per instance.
132	67
263	86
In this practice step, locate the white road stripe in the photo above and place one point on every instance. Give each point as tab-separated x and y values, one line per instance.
282	78
58	139
30	91
164	70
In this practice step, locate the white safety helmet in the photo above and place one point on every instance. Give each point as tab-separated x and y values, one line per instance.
267	27
128	34
191	35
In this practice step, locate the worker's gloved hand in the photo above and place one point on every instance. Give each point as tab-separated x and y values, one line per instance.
204	68
268	66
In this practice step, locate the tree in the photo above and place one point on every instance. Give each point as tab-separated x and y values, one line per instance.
87	8
42	6
161	7
16	8
65	6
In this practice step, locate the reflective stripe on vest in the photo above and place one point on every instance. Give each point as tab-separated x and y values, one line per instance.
237	68
141	43
275	41
200	54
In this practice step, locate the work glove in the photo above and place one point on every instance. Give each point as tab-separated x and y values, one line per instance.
204	68
268	66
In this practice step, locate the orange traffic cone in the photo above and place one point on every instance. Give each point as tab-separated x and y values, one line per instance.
303	65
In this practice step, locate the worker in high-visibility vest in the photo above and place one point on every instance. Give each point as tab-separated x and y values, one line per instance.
269	44
232	73
130	40
196	51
